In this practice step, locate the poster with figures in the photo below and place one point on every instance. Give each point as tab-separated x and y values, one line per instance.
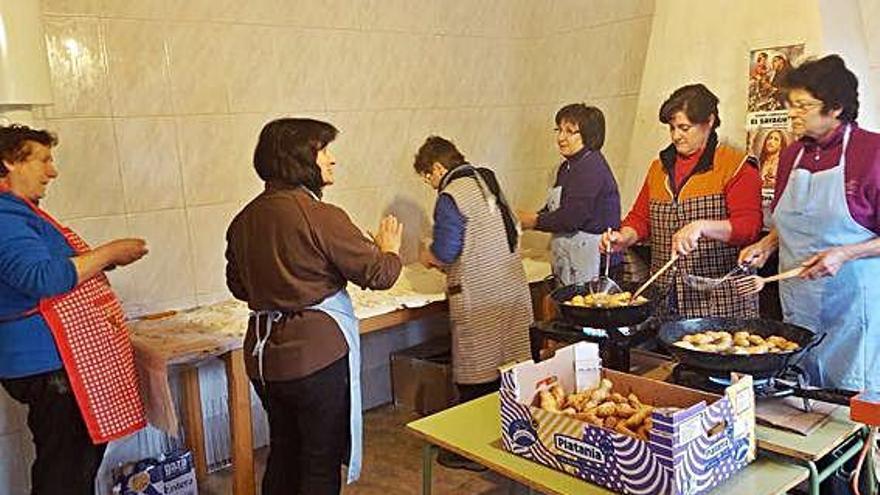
767	125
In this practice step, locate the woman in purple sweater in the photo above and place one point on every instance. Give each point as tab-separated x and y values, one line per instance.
584	201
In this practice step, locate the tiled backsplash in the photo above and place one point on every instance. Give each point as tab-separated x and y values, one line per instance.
158	105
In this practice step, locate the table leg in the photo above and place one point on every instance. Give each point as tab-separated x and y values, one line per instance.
193	428
814	478
427	467
817	477
240	424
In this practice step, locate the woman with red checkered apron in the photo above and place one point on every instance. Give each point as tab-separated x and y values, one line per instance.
64	347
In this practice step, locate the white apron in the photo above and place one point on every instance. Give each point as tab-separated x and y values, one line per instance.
812	215
574	256
339	307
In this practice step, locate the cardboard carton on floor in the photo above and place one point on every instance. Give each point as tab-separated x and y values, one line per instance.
697	440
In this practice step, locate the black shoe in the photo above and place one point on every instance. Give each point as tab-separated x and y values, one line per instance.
452	460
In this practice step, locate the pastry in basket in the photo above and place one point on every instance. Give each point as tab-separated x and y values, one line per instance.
605	300
738	342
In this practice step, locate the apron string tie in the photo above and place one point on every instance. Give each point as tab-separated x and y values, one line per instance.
271	317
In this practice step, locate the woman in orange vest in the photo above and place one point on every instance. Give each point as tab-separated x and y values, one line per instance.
702	200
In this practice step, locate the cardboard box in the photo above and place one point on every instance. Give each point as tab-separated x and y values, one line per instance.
421	377
697	440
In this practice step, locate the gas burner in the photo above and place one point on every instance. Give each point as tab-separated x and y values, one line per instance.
614	343
757	383
778	384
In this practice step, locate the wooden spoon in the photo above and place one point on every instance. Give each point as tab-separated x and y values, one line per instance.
655	276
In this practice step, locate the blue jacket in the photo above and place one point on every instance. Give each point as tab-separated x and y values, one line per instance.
450	224
34	264
590	198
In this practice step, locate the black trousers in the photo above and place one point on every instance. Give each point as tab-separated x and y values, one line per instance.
67	460
308	432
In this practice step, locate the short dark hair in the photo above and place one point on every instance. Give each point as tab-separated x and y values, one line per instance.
14	143
697	103
828	80
590	122
287	151
440	150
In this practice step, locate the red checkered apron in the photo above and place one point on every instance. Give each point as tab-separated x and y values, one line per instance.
88	325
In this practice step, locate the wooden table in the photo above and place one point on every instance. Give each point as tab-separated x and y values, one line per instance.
230	352
473	431
197	347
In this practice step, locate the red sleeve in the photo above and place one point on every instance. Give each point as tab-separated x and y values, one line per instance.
743	194
638	217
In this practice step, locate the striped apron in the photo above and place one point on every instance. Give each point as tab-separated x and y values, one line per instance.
489	302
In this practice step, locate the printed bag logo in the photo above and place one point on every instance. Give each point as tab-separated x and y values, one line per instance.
522	433
578	449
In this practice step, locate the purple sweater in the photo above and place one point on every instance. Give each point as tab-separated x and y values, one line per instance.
862	172
590	199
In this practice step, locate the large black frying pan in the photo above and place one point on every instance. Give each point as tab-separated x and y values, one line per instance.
756	364
626	316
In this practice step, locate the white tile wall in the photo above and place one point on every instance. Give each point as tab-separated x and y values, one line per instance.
137	53
149	163
79	66
870	12
87	161
158	105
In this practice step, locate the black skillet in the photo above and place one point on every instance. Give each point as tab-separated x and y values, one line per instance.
625	316
756	364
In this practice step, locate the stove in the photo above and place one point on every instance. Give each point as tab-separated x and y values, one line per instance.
614	343
790	381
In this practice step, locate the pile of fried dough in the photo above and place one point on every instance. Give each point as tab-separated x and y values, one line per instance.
741	342
600	406
605	300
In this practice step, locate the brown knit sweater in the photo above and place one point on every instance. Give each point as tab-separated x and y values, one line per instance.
286	251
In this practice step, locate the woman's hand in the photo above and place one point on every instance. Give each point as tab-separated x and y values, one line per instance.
756	254
107	256
123	252
686	239
826	263
389	235
618	240
528	219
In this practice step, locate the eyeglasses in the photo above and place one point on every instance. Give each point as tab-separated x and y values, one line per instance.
565	132
802	106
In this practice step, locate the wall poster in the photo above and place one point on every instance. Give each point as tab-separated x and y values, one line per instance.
767	125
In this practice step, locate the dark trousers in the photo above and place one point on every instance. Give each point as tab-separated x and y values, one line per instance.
67	460
308	432
470	391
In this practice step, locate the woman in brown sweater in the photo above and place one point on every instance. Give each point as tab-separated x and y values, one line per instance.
290	256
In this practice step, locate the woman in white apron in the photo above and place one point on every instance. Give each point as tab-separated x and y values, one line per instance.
584	201
824	221
290	256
